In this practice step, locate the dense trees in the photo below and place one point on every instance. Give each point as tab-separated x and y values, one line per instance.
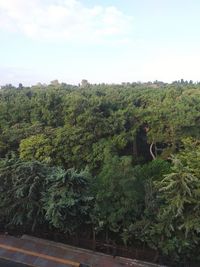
21	186
66	202
121	161
179	192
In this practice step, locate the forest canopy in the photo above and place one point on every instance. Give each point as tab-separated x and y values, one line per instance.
116	159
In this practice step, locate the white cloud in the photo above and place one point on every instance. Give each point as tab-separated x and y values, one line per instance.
64	20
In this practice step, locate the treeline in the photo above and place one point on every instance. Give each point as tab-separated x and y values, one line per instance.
117	161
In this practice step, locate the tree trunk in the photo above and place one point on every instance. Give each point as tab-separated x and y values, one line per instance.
94	239
151	151
135	153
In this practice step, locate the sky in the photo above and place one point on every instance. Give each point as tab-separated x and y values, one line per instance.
101	41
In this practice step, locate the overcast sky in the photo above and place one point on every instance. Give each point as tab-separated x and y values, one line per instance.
102	41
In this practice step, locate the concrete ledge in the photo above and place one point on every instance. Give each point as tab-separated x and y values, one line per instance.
68	247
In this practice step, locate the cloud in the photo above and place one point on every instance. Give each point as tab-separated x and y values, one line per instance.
64	20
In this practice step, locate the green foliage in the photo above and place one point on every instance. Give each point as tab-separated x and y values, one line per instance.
176	231
66	202
145	176
117	199
115	131
33	194
21	185
37	147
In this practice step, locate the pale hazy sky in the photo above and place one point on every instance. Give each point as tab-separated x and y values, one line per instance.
102	41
